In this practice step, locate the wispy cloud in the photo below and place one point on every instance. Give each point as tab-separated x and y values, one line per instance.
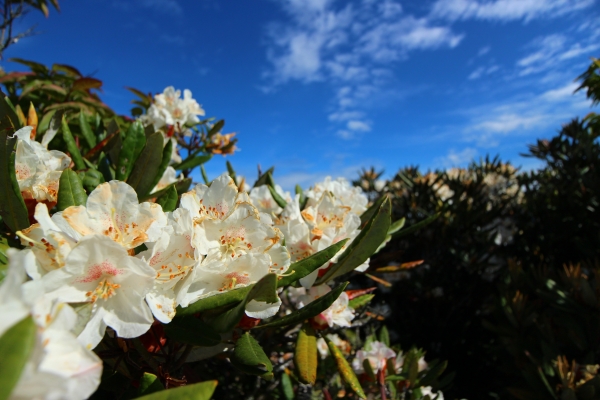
352	47
505	10
457	158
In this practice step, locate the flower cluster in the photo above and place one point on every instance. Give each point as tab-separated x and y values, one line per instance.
169	109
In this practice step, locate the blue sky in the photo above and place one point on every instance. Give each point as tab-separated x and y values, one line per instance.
324	87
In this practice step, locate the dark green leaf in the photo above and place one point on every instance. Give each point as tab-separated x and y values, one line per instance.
204	176
193	162
396	226
433	373
305	354
264	178
71	145
231	170
12	206
168	201
16	345
70	190
183	185
216	128
370	212
190	330
304	267
384	336
278	199
164	162
134	143
149	384
216	301
309	311
146	168
364	245
416	226
86	130
345	369
105	169
250	358
265	290
197	391
286	386
369	369
92	179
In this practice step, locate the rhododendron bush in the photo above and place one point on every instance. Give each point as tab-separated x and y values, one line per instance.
124	277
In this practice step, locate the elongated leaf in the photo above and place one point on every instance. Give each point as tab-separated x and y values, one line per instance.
264	178
168	201
71	145
212	302
216	128
44	123
287	387
86	84
15	346
231	171
105	145
277	197
149	384
105	169
310	310
364	245
193	162
70	190
345	369
86	131
250	358
164	162
183	185
190	330
265	290
12	206
134	143
146	167
305	354
92	179
396	226
204	176
360	301
197	391
304	267
384	336
370	212
416	226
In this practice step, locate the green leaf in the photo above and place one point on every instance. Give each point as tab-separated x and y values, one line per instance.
193	162
231	171
286	386
168	201
92	179
345	369
364	245
305	355
370	212
265	290
396	226
433	373
70	190
215	301
105	169
71	145
216	128
384	336
369	369
146	168
278	199
134	143
164	162
197	391
302	199
250	358
16	345
204	176
309	311
416	226
86	130
12	206
149	384
360	301
264	178
183	185
304	267
190	330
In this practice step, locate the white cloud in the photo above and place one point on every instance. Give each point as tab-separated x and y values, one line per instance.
483	51
481	71
456	159
358	126
505	10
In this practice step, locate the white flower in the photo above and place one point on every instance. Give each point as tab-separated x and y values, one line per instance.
37	169
377	353
345	194
170	109
59	367
337	314
239	244
101	271
263	200
428	391
113	210
167	178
